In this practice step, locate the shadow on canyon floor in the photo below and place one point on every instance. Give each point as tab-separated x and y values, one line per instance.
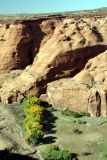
5	155
49	124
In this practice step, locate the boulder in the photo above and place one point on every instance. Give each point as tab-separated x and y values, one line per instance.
85	92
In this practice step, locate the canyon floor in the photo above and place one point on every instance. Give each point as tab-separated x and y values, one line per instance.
90	144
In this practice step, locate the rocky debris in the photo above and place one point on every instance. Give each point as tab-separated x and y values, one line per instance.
63	50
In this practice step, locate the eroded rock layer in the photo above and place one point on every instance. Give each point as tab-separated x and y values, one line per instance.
53	49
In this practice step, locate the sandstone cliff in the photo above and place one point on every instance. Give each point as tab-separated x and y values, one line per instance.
50	50
21	41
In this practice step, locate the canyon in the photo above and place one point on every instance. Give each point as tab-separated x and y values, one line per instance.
62	60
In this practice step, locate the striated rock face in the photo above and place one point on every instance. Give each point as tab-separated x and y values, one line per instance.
58	48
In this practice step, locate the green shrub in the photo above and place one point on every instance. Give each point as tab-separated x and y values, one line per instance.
86	153
30	101
35	137
77	131
34	110
51	147
67	112
103	155
85	114
54	153
33	130
33	120
78	121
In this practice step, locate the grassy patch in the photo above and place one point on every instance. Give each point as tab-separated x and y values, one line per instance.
88	144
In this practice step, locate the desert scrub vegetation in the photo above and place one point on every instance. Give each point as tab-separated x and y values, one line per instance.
103	155
67	112
33	120
79	121
77	131
29	101
53	152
